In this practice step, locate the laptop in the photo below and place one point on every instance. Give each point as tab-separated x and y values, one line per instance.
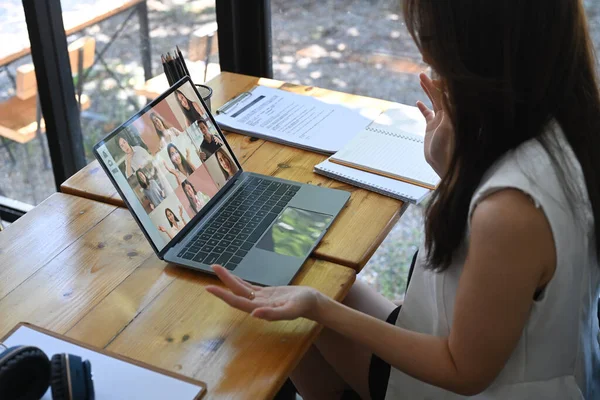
196	205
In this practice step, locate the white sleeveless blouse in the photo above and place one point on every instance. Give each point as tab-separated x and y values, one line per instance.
557	356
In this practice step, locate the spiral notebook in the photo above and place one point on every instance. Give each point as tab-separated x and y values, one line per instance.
380	184
392	146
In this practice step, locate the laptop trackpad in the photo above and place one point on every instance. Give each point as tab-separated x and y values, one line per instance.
295	232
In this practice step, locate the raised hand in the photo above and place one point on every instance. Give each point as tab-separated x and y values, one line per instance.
439	133
160	228
187	154
171	170
181	211
269	303
202	156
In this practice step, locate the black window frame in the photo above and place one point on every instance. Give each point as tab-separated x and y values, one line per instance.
245	47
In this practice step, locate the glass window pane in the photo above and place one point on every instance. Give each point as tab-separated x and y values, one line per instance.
108	35
25	168
338	45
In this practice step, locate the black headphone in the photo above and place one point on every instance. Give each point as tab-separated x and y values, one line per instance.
26	373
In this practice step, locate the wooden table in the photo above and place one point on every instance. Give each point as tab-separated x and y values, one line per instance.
358	230
84	269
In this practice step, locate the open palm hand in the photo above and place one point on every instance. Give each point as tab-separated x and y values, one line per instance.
270	303
439	131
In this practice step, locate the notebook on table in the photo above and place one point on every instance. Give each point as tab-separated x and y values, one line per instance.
379	184
392	147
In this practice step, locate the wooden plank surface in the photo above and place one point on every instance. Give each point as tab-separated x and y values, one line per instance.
74	21
359	229
98	281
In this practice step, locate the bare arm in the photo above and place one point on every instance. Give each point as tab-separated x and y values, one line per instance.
511	254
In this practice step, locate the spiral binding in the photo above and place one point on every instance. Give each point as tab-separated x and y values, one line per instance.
398	135
365	185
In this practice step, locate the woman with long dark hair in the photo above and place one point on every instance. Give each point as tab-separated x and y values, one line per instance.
182	166
503	298
192	110
164	131
175	225
196	198
150	188
226	164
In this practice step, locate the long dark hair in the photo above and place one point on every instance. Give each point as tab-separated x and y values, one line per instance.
190	114
190	199
184	163
233	166
159	131
168	210
143	184
508	68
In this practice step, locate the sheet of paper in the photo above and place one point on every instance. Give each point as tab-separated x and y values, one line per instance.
113	379
294	119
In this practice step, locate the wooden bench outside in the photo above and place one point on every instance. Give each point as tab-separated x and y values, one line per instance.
20	117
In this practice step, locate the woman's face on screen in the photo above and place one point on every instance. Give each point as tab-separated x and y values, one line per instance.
124	145
175	157
170	216
224	161
182	100
158	122
189	190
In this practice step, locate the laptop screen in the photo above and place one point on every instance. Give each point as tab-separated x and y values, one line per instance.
168	161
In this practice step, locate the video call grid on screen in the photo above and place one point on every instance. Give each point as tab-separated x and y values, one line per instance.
169	162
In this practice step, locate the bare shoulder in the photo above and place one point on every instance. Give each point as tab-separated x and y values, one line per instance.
509	221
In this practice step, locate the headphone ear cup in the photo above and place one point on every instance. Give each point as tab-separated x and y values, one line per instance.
71	378
24	373
58	378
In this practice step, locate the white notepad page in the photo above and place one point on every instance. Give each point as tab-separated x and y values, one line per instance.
392	145
113	379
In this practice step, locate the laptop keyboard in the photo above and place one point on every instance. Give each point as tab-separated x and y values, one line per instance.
237	226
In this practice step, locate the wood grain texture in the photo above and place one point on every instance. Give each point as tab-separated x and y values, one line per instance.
359	229
102	284
41	234
85	271
187	330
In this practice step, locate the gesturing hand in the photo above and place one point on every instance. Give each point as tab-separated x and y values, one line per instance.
270	303
439	132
